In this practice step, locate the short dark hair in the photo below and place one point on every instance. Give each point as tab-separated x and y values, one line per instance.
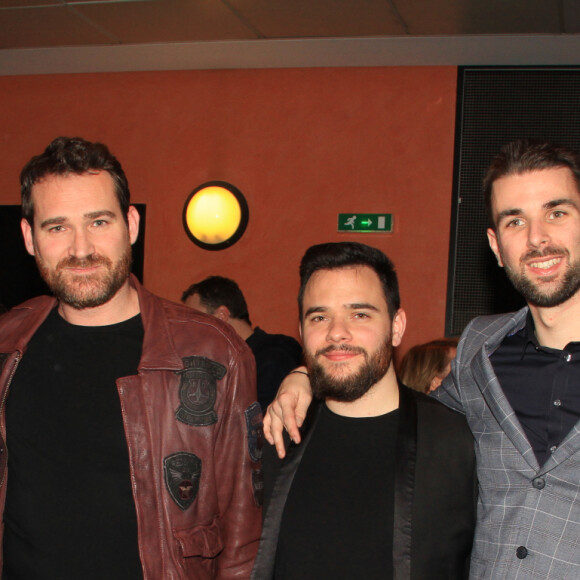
526	155
72	155
217	291
336	255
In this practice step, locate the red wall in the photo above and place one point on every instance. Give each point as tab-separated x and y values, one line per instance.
302	145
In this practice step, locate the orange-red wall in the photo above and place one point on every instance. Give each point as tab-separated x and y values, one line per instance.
302	145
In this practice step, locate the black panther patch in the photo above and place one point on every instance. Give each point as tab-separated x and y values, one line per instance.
198	391
255	431
182	474
258	486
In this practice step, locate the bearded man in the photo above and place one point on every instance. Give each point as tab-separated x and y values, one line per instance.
126	416
383	485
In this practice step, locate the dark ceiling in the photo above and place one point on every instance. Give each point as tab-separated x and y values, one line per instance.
324	28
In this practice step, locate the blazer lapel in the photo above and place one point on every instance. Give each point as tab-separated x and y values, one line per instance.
405	461
266	557
491	390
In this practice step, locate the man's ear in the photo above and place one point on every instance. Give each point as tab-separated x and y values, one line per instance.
494	245
398	327
27	234
133	223
222	312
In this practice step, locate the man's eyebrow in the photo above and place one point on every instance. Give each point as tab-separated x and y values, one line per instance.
361	306
515	211
100	213
508	213
314	309
52	221
563	201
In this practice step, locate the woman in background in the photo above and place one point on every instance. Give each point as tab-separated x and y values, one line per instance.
425	366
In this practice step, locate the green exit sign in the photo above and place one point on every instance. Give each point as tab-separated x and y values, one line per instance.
365	222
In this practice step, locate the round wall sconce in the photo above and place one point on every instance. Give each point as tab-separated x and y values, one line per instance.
215	215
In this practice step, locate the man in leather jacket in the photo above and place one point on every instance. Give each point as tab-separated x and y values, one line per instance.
130	432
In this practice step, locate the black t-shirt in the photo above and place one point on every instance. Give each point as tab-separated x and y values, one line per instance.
69	509
338	518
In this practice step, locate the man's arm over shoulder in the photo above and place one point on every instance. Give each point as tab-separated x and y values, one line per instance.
288	410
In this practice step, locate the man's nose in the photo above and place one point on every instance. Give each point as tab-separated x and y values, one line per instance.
338	331
81	244
538	234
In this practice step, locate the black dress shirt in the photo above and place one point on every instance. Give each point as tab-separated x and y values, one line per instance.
542	385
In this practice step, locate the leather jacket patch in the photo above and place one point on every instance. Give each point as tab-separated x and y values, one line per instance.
198	391
182	474
254	426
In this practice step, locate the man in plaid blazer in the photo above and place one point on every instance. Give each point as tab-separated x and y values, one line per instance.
528	513
517	376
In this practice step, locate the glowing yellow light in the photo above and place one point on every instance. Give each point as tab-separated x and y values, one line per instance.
213	215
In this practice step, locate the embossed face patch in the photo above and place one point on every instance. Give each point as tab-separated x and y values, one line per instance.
182	474
198	391
254	427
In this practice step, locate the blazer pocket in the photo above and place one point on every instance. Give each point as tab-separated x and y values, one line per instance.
204	541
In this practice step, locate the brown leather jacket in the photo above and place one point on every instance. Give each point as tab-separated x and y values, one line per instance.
192	430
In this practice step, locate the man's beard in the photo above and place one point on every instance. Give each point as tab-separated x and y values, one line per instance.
351	386
86	290
543	297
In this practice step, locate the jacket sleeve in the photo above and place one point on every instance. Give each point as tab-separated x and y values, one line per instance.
238	469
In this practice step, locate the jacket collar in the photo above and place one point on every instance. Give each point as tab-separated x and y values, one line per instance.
21	322
158	349
490	388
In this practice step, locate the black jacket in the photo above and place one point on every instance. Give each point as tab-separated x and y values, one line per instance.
435	492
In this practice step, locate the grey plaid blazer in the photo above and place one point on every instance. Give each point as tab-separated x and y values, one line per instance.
528	516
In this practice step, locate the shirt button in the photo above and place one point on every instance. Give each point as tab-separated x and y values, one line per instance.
539	482
568	357
521	552
557	403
